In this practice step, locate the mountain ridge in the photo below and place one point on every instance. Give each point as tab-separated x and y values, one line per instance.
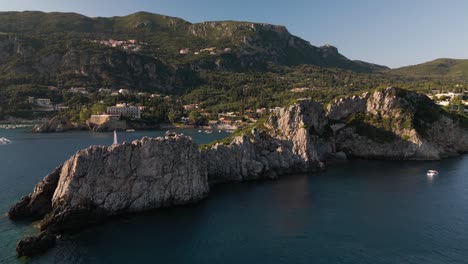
248	39
440	68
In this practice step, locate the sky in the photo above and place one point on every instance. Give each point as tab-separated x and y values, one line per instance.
394	33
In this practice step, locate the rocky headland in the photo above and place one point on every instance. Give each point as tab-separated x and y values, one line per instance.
396	124
58	124
102	182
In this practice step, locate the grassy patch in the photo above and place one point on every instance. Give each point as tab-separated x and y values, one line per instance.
246	131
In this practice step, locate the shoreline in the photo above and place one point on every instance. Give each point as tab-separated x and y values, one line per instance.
173	170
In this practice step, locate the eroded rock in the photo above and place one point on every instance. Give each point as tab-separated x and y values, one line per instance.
38	203
35	245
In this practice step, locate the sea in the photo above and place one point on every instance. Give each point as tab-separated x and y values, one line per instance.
356	212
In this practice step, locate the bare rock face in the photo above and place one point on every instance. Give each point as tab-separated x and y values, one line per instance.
127	178
292	141
449	137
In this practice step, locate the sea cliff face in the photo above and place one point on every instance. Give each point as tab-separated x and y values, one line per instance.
282	145
101	182
398	124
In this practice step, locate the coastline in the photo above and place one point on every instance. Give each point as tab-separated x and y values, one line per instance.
297	139
63	124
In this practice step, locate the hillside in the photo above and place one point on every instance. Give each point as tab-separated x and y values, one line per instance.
440	68
165	55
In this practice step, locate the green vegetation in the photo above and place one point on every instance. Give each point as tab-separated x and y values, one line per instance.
197	119
250	67
243	131
375	128
440	68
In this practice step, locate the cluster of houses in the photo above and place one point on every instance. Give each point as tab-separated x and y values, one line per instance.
448	99
211	51
128	45
228	120
111	92
81	90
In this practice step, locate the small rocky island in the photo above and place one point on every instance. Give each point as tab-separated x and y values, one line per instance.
99	182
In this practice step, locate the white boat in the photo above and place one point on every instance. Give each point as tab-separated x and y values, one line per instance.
432	173
116	142
199	131
208	131
4	141
130	130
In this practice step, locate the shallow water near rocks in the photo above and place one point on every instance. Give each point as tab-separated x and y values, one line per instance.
357	212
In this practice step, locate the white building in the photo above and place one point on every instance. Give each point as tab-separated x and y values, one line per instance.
124	91
43	102
124	110
184	51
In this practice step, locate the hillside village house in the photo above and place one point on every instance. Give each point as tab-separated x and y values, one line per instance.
81	90
190	107
41	104
124	110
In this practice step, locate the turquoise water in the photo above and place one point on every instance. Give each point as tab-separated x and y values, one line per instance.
358	212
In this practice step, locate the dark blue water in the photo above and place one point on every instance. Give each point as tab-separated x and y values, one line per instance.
359	212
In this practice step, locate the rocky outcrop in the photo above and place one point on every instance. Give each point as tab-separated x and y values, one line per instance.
157	173
58	124
291	141
101	182
109	125
398	124
39	202
35	245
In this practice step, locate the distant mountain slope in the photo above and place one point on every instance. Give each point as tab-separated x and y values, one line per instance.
169	55
440	68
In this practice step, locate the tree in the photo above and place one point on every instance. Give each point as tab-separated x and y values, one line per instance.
98	108
174	115
197	119
85	114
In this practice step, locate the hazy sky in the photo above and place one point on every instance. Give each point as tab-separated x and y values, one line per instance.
389	32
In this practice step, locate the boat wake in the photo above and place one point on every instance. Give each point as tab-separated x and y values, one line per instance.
4	141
